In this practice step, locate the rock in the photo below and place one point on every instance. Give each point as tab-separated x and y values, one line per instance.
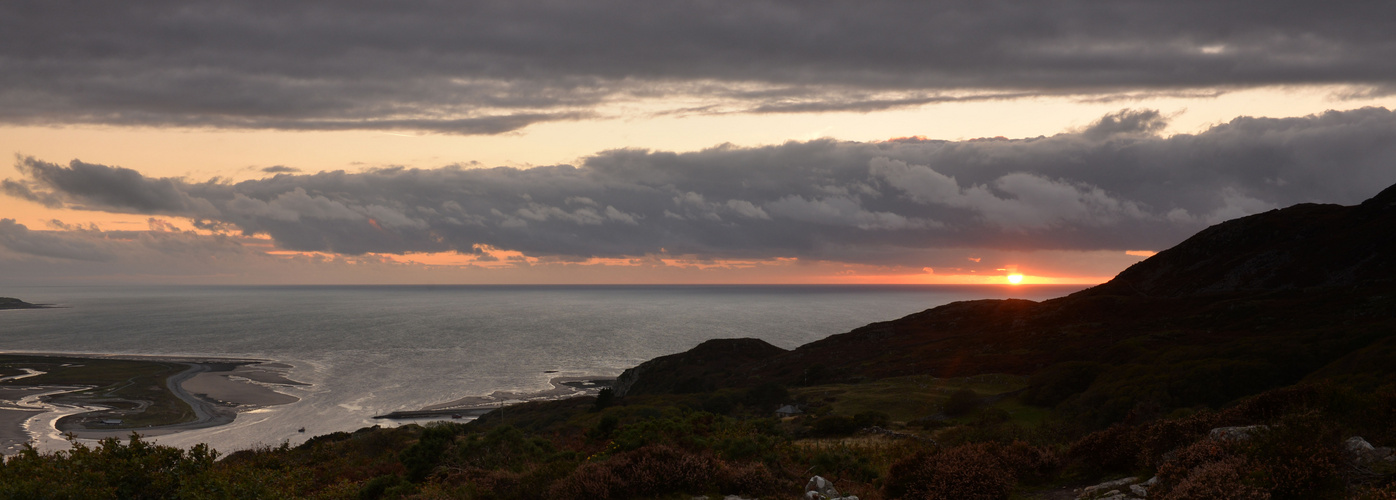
1139	490
1363	452
1109	487
1241	433
1357	445
819	488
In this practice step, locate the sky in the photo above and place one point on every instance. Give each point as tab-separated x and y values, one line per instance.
938	142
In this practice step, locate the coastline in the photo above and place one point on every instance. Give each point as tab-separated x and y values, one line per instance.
474	406
216	389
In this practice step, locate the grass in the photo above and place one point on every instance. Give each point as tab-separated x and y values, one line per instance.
905	399
130	381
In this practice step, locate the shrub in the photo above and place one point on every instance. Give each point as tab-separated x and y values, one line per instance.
1221	479
751	479
1061	381
871	418
968	472
961	402
604	399
377	487
1160	437
841	463
835	425
766	396
605	428
646	472
1300	457
1113	449
421	458
718	405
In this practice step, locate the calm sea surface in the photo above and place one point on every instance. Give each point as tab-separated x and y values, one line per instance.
369	350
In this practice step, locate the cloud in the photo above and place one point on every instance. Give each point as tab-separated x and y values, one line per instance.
18	238
1112	186
280	169
489	67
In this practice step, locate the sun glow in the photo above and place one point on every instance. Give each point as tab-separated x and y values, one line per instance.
1015	278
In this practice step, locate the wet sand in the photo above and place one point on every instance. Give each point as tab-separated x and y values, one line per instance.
217	390
241	386
12	418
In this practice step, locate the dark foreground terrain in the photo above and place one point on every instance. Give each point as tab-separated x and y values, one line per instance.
1254	360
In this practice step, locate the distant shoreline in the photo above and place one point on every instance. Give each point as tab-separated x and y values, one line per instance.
474	406
13	303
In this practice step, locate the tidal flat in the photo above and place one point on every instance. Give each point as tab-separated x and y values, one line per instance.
95	396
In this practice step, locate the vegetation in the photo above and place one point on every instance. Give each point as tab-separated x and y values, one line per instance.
135	389
670	446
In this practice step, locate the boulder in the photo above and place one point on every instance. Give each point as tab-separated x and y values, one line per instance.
1240	433
819	488
1363	452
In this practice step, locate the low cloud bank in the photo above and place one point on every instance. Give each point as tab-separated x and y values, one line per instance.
1114	185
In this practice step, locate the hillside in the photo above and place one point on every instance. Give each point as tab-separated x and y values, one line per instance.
1244	306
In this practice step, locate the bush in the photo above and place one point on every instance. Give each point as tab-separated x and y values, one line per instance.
766	396
1114	449
835	425
718	405
378	487
968	472
1058	382
871	418
751	480
961	402
646	472
604	399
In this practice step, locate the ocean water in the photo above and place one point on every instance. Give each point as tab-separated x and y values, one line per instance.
370	350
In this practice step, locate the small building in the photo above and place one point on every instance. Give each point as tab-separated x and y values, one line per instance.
788	411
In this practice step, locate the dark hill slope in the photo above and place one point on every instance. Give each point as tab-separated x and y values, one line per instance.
1244	306
1303	246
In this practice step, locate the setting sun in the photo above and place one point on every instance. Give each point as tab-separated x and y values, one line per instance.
1015	278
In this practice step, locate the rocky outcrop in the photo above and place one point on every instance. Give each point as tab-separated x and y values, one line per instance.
819	488
13	303
1129	488
712	364
1363	453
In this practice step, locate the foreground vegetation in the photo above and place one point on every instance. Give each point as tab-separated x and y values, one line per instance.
727	442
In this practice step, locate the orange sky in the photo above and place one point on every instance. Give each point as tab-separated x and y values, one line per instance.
202	154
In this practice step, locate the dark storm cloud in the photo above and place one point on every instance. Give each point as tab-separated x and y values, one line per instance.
1113	185
487	67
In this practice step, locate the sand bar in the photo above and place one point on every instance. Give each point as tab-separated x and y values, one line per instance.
216	388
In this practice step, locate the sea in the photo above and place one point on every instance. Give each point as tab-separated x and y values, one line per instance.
371	350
